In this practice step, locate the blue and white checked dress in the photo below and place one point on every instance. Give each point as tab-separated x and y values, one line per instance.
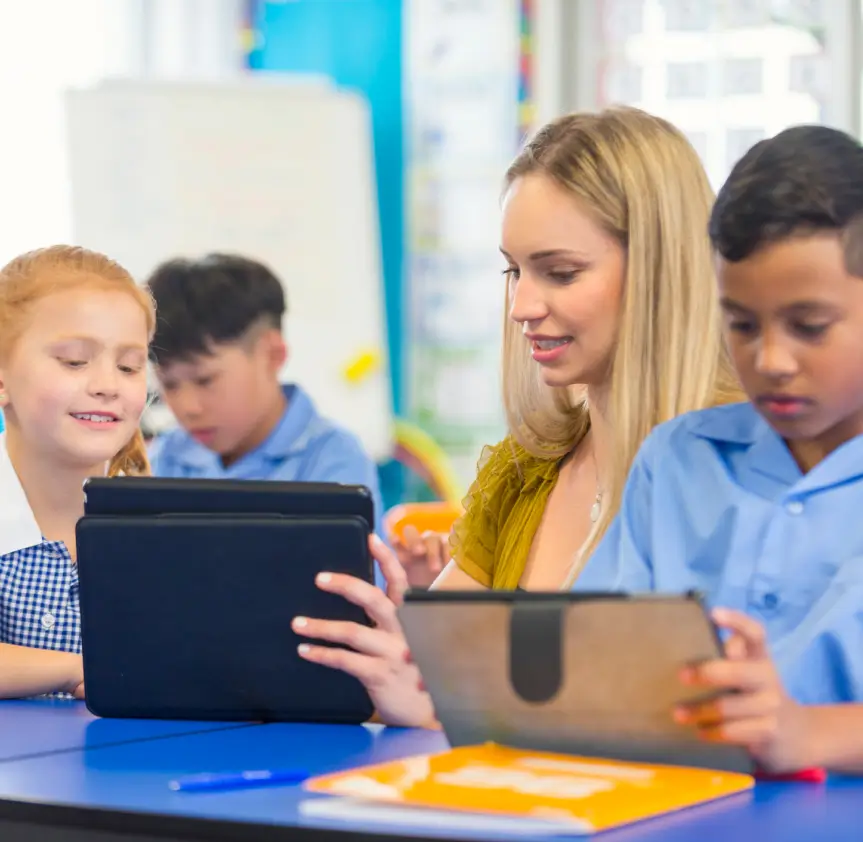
39	603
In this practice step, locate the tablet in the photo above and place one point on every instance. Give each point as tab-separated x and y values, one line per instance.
587	674
188	589
157	495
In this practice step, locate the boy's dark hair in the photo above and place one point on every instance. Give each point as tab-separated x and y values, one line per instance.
207	302
805	179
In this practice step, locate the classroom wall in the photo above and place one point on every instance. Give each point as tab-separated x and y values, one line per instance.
359	46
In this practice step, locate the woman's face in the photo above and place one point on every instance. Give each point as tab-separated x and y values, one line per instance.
566	277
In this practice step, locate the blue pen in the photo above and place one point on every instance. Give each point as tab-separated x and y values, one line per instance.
237	780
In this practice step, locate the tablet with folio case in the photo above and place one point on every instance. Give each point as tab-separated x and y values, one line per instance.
188	589
595	675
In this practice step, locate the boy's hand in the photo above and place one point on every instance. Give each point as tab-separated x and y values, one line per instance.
423	557
757	714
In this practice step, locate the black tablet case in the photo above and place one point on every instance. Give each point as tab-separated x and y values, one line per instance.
140	496
188	616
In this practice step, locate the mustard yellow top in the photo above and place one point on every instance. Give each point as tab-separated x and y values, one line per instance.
502	511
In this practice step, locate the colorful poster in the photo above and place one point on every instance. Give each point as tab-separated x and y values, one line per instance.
469	89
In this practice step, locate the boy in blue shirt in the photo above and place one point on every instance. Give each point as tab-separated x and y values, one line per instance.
759	505
218	350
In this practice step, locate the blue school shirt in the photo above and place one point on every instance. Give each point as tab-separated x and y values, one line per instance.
304	447
39	602
715	502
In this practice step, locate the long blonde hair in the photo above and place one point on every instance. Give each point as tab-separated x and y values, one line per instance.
642	181
37	274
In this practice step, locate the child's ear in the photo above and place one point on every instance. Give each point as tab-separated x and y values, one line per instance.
4	396
276	350
852	246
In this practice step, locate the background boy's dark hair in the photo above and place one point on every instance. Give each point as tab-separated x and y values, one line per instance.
805	179
207	302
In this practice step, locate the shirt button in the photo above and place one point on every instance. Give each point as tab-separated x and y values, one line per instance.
795	507
48	621
770	601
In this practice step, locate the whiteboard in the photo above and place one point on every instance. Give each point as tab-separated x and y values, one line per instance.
279	172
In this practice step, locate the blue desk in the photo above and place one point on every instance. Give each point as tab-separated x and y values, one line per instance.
34	728
120	793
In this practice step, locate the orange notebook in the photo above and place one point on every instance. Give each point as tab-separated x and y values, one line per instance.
588	795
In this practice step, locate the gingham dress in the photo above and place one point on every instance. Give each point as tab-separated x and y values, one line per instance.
39	601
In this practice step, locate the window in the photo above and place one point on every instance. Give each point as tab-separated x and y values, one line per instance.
729	72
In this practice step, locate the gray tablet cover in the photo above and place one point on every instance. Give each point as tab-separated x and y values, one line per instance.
559	672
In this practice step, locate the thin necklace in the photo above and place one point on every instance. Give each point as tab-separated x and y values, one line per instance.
596	508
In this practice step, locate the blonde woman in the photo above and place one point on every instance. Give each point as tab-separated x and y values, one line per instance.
613	327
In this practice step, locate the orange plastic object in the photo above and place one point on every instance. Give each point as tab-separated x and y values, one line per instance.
424	517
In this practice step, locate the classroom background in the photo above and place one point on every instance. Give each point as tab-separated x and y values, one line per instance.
358	147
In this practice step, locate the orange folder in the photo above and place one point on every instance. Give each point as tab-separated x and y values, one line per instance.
589	794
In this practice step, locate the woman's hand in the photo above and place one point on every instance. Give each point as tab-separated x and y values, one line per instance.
377	656
423	557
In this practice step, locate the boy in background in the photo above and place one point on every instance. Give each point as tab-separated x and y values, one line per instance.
218	350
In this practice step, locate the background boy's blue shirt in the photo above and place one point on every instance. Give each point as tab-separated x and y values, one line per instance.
304	447
715	502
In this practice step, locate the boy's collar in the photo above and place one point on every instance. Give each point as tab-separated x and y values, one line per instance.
769	455
289	435
737	423
18	527
740	424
